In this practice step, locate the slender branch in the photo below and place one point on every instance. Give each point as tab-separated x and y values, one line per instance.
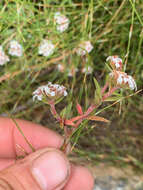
109	93
20	130
104	88
90	109
54	112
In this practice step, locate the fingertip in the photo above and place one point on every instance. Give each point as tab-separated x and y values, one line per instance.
80	179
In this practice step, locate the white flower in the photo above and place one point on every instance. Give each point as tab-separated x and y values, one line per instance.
87	70
115	62
3	58
84	48
62	22
46	48
15	49
51	91
123	80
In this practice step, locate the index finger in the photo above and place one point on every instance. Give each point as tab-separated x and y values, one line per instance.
12	142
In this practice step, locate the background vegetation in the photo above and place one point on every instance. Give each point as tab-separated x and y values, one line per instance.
114	27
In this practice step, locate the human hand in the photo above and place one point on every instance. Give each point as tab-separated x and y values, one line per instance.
46	169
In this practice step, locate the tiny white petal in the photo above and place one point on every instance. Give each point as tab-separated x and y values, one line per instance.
119	80
52	93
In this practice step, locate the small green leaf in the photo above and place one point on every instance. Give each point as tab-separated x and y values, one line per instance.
59	99
63	113
112	99
66	111
98	95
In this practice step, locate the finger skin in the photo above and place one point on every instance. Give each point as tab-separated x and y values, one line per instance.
12	143
39	137
80	179
19	176
4	163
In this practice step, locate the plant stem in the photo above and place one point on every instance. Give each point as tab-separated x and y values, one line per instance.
104	88
109	93
54	112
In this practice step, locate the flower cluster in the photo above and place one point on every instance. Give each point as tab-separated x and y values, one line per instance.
46	48
3	58
49	91
15	49
115	62
119	78
122	80
84	48
62	22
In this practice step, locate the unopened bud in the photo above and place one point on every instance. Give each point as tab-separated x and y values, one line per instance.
115	62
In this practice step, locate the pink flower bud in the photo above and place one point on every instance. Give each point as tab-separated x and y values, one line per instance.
115	62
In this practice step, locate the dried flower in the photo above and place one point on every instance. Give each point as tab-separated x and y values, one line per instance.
49	91
3	58
83	48
15	49
61	68
115	62
122	80
62	22
70	71
87	70
46	48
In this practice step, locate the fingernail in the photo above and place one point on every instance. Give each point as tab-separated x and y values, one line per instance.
50	170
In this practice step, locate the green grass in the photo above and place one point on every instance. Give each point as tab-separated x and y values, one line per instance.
114	28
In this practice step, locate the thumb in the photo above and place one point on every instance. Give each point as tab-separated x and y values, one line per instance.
45	169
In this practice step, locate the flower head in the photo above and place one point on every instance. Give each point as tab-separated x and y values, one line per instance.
46	48
122	80
15	49
50	92
62	22
115	62
84	48
3	58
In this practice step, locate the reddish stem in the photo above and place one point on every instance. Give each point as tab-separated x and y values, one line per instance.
54	112
104	88
109	93
90	109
